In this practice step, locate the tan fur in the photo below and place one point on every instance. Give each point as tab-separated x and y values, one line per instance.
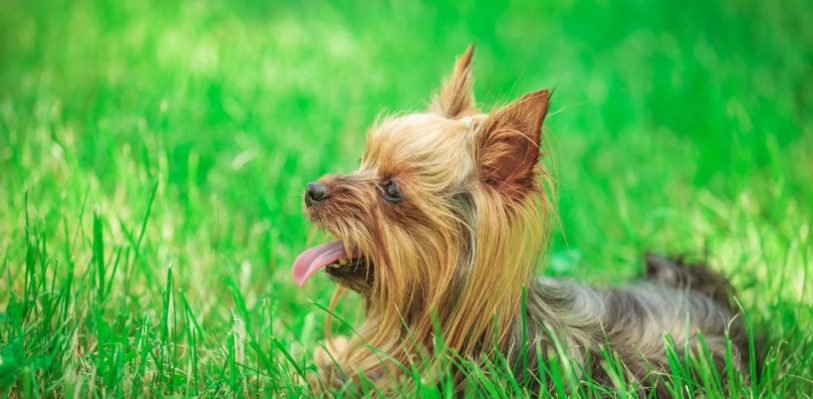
464	243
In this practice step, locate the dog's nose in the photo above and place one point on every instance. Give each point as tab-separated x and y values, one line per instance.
316	193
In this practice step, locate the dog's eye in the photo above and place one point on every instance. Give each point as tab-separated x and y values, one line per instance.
391	192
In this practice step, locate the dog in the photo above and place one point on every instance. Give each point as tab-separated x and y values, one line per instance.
440	231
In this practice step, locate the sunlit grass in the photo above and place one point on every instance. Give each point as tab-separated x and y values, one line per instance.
153	156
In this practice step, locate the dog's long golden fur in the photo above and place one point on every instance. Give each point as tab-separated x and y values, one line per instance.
447	217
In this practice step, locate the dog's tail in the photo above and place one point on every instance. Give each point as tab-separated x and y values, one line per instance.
677	273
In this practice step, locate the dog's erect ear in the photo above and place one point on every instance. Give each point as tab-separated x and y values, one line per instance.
508	144
455	98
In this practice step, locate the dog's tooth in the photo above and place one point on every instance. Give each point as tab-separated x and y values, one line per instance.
343	261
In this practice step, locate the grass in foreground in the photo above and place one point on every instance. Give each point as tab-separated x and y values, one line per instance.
153	155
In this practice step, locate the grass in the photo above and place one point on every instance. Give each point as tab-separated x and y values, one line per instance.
153	156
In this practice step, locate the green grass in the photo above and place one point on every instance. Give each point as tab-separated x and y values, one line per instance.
153	156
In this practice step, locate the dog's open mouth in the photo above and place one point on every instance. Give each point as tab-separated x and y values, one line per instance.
333	256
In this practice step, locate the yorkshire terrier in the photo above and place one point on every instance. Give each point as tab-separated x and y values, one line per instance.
440	231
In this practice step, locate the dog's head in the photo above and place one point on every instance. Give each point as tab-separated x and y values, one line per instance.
443	210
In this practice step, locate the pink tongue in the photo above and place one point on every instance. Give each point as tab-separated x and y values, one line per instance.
310	261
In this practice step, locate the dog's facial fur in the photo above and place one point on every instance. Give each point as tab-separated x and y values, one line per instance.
415	249
445	219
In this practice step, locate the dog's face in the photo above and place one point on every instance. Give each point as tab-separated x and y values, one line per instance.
403	208
410	220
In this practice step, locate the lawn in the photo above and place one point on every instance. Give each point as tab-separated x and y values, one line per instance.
153	157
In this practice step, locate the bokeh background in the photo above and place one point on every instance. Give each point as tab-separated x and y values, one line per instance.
153	156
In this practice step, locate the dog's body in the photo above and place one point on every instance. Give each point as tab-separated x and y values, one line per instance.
442	228
675	301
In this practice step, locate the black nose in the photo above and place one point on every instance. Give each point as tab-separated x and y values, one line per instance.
316	193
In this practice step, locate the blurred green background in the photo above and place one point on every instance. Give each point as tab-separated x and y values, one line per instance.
678	127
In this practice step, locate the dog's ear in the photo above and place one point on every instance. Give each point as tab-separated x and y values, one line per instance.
455	98
508	144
